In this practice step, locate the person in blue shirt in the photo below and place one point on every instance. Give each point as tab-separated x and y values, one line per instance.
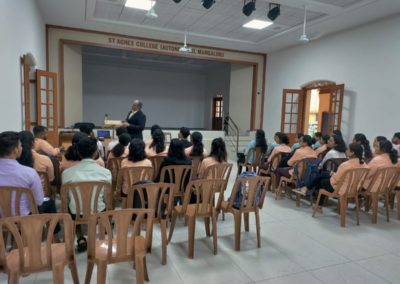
296	145
317	140
259	141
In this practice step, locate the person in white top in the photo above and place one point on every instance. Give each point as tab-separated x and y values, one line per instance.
338	149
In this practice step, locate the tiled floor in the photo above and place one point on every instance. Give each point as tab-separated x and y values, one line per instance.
296	248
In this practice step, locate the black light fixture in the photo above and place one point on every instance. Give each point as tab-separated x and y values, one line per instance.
177	1
207	3
249	7
274	11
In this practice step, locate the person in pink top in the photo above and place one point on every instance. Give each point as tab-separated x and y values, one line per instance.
197	149
157	146
283	145
122	148
217	155
41	145
323	148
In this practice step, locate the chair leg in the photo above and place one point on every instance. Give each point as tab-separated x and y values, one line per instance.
191	229
207	226
297	200
387	206
139	264
146	275
374	205
317	204
214	226
164	241
58	273
246	222
89	271
367	203
150	236
171	229
13	278
238	220
101	272
74	271
342	211
357	210
258	228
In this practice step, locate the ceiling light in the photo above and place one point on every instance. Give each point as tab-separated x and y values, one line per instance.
274	11
249	7
177	1
140	4
207	3
257	24
152	13
304	38
185	48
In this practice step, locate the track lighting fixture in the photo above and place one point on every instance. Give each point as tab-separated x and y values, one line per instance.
249	7
207	3
274	11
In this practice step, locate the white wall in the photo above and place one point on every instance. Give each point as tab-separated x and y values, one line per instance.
366	60
73	84
240	95
22	30
170	98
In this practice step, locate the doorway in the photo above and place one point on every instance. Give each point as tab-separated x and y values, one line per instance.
217	113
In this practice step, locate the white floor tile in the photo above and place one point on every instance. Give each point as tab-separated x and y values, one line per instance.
386	266
299	278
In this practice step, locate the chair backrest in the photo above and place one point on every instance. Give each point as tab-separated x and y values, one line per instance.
257	156
351	182
179	175
204	190
276	160
12	195
114	165
27	233
253	192
333	164
302	166
218	171
85	195
196	161
131	175
45	183
156	196
384	180
156	162
120	241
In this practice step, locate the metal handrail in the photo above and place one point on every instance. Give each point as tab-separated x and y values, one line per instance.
230	124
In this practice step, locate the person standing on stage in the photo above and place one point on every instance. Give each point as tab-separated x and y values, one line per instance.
136	120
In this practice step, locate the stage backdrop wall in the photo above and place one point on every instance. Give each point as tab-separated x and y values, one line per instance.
170	98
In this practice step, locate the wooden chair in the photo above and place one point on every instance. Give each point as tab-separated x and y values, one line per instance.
31	255
273	166
257	158
196	162
85	195
48	189
383	183
204	190
129	176
218	171
332	165
255	193
158	197
348	187
8	194
179	175
123	244
114	165
156	162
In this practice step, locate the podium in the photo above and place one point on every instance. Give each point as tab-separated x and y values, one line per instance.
108	123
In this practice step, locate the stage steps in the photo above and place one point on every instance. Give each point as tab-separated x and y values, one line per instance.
230	142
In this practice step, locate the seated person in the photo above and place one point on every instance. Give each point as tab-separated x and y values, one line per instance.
273	144
183	135
197	149
41	145
152	129
88	130
396	142
72	157
218	155
337	132
337	149
14	174
86	170
361	139
122	148
259	141
385	156
119	131
324	145
157	145
329	183
317	140
305	151
296	145
41	163
282	146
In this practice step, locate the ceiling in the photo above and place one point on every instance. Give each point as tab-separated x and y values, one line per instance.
221	25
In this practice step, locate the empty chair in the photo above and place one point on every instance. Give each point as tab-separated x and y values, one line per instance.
30	254
256	156
123	244
204	190
348	187
218	171
156	196
247	196
11	197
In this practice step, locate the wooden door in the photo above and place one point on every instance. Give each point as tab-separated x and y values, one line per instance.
336	94
217	112
292	113
46	103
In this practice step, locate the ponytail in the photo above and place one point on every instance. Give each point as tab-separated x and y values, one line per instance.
119	149
387	147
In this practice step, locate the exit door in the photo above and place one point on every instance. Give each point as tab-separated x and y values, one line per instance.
217	113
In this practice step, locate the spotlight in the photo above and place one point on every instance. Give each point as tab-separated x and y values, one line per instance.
249	7
274	11
177	1
207	3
